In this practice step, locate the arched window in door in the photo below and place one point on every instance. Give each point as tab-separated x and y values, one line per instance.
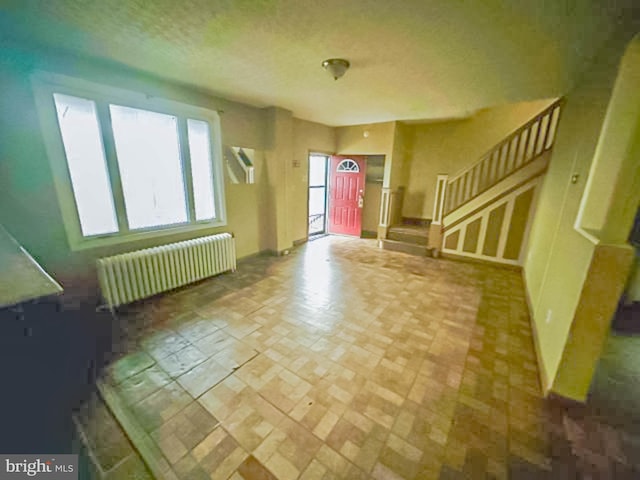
349	166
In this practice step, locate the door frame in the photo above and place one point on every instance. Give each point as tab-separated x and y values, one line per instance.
327	160
361	159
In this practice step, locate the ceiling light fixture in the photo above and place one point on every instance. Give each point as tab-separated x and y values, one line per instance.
336	67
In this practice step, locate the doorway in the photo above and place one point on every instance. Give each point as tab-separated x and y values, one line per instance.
318	194
346	194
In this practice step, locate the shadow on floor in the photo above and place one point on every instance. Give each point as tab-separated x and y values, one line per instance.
50	356
601	439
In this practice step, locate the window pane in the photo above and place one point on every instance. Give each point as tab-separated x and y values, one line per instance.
316	200
86	161
201	172
317	172
150	169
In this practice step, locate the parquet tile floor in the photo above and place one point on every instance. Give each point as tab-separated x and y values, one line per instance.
340	360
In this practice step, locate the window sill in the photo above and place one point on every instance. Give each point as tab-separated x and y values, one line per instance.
87	243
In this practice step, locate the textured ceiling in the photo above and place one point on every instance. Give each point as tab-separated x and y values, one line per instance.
411	60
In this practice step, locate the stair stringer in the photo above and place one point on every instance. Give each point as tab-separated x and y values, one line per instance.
495	226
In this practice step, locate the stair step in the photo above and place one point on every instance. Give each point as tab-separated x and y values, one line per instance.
411	248
418	235
420	222
408	238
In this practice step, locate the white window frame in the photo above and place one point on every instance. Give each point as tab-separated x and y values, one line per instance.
341	168
45	84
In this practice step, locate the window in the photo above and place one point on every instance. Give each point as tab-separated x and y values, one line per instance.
348	165
126	165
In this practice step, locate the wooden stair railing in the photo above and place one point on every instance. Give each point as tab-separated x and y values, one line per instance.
514	152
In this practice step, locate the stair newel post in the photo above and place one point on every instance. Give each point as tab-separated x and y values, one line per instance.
385	215
397	198
435	228
390	211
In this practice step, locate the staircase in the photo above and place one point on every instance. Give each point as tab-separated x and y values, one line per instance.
485	211
409	237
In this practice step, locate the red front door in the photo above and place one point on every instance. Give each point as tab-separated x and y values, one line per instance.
346	194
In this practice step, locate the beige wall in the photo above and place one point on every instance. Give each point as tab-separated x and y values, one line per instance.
371	208
616	165
559	262
309	137
351	140
591	323
279	174
449	147
400	157
247	217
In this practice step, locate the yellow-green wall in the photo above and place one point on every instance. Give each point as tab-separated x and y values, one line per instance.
378	140
373	139
309	137
449	147
399	167
29	204
371	208
559	264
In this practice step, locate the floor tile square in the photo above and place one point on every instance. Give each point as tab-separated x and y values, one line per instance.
129	365
182	432
160	406
163	343
139	386
181	361
203	377
216	457
196	329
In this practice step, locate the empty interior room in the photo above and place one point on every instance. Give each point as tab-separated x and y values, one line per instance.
314	240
